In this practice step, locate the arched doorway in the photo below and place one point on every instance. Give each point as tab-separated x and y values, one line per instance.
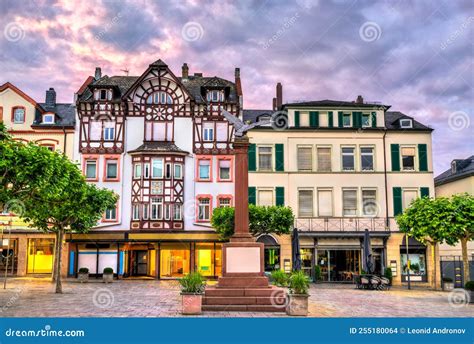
272	252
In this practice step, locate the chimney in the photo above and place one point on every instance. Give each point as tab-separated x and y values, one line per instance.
274	105
360	100
279	95
237	73
50	97
98	73
238	84
185	71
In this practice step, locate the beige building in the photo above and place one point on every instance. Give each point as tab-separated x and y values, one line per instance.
49	124
342	167
458	179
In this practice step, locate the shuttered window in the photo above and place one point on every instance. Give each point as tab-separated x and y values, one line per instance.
265	197
374	120
395	156
297	119
330	119
305	161
349	202
264	158
324	203
280	195
408	196
397	201
423	157
279	157
314	119
408	158
324	159
305	203
252	154
252	195
323	120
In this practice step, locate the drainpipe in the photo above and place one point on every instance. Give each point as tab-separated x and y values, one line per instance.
65	137
387	222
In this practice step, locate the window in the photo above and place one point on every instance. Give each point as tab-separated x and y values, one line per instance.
145	211
48	147
346	120
369	203
324	159
367	158
365	120
324	203
137	171
224	169
265	158
224	201
323	120
204	169
304	119
305	203
204	209
91	169
177	212
348	159
157	168
18	115
159	98
109	134
178	171
111	169
408	158
349	202
146	170
304	158
156	208
103	94
409	195
111	214
168	171
208	132
406	123
48	119
136	212
215	96
265	197
156	188
167	211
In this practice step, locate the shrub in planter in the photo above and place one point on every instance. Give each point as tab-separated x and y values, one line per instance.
298	284
108	275
279	278
469	287
192	288
83	275
388	274
317	274
448	284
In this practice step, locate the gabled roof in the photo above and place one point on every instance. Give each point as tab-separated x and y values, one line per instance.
21	94
392	122
463	168
334	104
65	116
158	147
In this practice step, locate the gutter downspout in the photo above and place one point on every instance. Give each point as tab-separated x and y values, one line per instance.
387	221
65	138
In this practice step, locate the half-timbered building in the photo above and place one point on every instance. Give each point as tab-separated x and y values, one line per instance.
162	144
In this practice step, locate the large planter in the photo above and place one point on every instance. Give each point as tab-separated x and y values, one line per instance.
108	278
192	303
448	286
297	305
83	277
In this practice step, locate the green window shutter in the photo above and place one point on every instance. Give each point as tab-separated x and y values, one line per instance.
280	195
297	119
357	119
424	192
252	195
279	157
397	201
423	157
395	153
374	120
252	157
314	119
339	119
330	120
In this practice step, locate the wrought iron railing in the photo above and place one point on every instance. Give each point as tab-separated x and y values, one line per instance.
344	224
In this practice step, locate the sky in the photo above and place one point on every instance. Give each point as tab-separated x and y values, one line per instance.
416	56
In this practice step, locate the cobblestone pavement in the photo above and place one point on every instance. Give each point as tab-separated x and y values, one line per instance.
137	298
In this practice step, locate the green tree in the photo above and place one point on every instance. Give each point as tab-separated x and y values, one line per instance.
439	220
49	193
262	220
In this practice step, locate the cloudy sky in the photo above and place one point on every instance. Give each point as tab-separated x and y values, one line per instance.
416	56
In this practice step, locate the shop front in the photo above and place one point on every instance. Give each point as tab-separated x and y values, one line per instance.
40	256
415	254
272	255
9	256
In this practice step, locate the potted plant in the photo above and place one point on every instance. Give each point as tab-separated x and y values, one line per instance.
317	274
279	278
83	275
298	284
388	274
192	288
108	275
469	287
448	284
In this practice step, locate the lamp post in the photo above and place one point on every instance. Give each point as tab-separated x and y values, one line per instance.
8	223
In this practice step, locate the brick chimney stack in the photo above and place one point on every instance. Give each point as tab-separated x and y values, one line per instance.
98	73
274	104
279	95
238	83
185	71
50	97
360	100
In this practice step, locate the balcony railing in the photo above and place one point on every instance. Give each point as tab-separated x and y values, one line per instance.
344	224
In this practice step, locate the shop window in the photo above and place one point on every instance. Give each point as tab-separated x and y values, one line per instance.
40	256
174	260
417	267
305	203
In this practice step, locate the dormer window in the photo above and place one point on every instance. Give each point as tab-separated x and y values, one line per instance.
159	98
48	118
215	96
102	94
406	123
